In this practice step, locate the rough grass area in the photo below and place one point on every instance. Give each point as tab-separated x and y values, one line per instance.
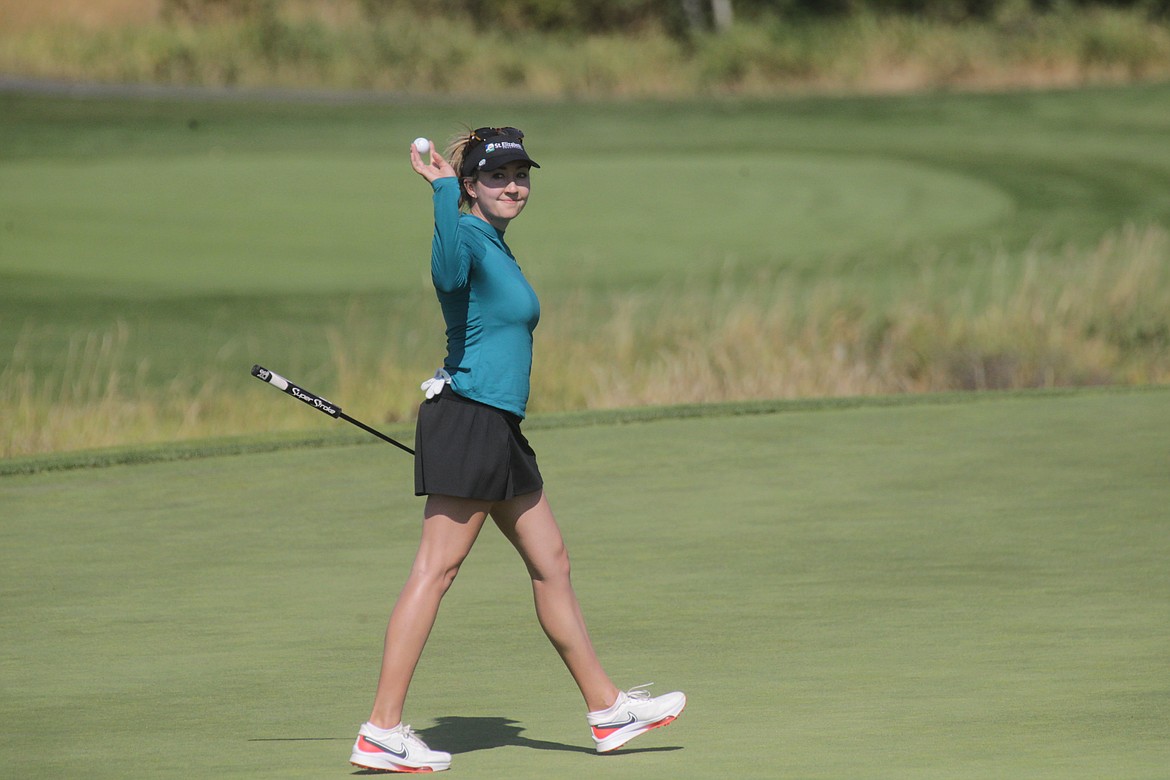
1048	319
336	45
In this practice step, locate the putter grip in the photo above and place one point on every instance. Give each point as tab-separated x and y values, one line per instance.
299	393
271	377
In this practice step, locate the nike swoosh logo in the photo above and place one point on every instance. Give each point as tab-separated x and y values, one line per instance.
630	719
386	748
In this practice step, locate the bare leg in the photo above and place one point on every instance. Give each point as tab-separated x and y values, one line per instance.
528	523
450	527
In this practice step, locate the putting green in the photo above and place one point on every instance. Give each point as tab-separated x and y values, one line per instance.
951	587
280	223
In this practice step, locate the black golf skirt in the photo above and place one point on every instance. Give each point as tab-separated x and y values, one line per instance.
468	449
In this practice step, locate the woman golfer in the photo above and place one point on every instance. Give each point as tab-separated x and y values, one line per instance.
472	462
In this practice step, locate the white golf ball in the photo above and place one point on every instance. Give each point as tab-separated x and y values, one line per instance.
423	145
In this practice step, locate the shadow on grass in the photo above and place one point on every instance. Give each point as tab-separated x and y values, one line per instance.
455	734
302	739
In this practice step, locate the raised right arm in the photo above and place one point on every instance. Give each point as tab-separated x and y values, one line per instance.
450	266
449	270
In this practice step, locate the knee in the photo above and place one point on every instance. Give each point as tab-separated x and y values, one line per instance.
435	577
554	569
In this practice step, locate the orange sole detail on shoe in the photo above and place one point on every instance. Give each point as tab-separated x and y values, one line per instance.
663	722
667	720
657	725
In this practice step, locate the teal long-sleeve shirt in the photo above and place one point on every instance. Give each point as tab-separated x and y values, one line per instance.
489	308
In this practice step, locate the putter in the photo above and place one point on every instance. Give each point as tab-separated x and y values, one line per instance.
319	403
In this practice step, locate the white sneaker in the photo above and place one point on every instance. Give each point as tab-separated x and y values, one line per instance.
635	712
396	750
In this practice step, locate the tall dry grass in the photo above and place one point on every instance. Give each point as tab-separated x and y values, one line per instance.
1045	318
20	16
338	45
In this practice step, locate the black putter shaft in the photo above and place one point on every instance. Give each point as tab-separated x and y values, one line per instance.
319	403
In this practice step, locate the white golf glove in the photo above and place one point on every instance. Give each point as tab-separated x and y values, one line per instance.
435	384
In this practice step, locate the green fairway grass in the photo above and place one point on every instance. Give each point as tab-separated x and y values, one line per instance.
950	587
183	196
327	224
152	249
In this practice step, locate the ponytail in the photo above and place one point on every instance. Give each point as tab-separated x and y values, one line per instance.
457	149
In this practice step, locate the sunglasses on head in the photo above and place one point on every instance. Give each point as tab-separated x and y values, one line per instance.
486	133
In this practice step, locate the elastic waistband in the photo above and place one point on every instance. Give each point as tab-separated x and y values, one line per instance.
450	395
